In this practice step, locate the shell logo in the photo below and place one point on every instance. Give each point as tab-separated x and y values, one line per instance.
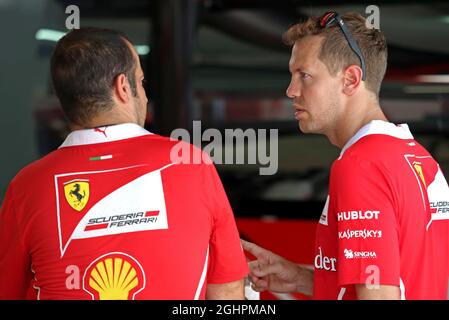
114	276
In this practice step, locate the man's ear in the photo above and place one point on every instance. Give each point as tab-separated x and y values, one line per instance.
352	79
121	88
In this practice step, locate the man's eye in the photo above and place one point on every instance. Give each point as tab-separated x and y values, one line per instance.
304	75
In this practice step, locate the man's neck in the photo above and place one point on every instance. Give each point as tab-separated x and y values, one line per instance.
354	120
102	121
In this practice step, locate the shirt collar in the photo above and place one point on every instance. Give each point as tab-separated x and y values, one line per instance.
104	134
400	131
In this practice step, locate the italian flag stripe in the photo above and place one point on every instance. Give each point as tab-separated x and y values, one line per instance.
109	156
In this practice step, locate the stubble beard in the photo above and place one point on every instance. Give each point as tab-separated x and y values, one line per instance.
139	111
321	123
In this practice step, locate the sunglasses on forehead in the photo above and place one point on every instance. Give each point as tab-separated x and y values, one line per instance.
329	19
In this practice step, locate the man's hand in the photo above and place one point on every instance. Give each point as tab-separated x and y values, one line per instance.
275	273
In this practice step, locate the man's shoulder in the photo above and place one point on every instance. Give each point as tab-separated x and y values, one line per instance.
379	147
180	151
35	168
379	152
155	139
166	142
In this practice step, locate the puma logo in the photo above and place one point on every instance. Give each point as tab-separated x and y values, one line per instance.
101	131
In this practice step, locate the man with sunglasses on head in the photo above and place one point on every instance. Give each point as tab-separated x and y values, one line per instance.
384	230
109	215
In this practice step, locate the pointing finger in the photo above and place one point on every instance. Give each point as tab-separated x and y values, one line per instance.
254	249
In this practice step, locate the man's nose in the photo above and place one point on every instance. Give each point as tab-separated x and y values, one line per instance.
293	90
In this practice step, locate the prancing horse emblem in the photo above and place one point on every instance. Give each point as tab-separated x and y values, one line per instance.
77	193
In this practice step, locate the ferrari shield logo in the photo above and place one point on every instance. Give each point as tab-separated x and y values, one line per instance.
77	193
418	167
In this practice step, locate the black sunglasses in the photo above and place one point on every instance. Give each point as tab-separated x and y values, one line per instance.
328	19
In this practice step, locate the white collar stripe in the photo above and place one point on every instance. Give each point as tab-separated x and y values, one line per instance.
104	134
400	131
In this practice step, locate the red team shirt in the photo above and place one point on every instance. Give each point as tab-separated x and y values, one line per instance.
110	216
385	220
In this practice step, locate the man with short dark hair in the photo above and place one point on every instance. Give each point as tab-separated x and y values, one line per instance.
384	231
108	215
85	66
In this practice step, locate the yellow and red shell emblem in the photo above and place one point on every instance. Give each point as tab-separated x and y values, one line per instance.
114	276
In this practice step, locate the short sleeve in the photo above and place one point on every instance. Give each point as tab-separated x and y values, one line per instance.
227	261
364	205
15	274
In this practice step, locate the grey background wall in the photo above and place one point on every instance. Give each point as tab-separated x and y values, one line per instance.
24	78
20	77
